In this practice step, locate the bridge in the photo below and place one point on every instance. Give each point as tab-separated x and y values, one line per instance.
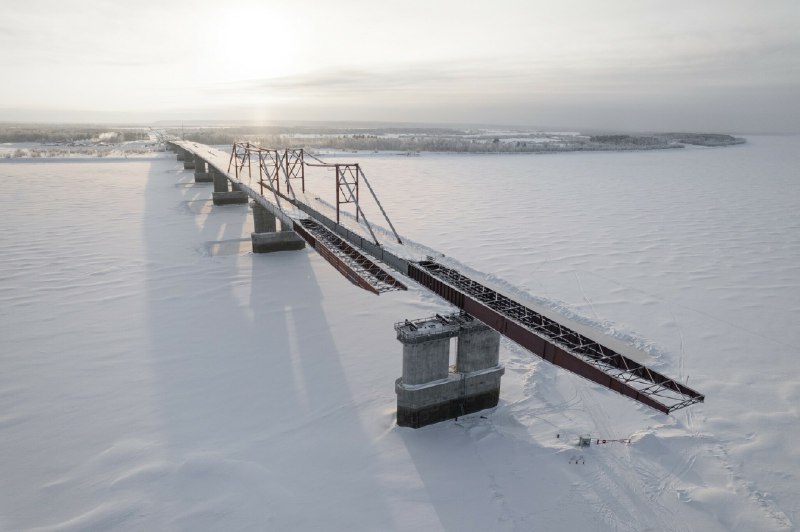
273	181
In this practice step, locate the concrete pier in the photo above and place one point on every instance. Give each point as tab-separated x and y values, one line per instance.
200	173
478	347
188	161
263	220
266	239
180	153
230	198
426	351
280	241
220	181
428	392
221	195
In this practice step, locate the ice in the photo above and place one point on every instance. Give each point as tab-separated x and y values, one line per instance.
156	375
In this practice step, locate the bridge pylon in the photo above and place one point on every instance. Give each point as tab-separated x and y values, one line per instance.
430	390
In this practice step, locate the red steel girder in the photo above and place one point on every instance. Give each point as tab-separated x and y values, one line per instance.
554	342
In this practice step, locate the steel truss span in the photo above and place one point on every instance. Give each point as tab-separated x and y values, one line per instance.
554	342
357	268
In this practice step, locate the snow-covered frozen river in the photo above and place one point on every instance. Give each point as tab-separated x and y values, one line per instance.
151	382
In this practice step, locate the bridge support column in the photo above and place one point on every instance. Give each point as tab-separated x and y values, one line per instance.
188	160
428	392
221	194
230	198
180	153
263	220
200	174
478	347
219	179
266	239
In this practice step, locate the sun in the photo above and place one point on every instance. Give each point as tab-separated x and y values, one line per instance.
249	44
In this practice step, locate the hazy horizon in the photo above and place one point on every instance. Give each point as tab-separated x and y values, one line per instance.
725	66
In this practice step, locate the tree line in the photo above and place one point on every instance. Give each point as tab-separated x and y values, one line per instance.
66	135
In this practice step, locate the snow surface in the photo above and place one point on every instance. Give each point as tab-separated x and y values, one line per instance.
156	375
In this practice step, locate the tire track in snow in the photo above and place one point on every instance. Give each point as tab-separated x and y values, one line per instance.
767	504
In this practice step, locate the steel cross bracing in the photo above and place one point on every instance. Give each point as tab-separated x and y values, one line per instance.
359	171
349	261
274	162
269	163
240	155
567	348
294	161
356	267
346	186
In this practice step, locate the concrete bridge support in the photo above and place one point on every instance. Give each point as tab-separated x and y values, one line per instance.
428	392
180	153
266	239
478	347
188	160
219	179
286	227
221	195
200	173
263	220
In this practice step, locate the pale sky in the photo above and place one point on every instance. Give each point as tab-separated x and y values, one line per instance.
710	65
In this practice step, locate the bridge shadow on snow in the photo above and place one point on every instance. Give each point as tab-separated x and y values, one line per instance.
255	408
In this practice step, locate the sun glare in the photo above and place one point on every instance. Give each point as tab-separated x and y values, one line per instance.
250	44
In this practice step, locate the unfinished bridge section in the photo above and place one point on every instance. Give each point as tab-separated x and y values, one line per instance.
554	342
429	390
350	262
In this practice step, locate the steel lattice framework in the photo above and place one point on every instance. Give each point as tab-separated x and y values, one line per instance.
271	164
294	161
269	169
346	186
353	264
240	156
554	342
